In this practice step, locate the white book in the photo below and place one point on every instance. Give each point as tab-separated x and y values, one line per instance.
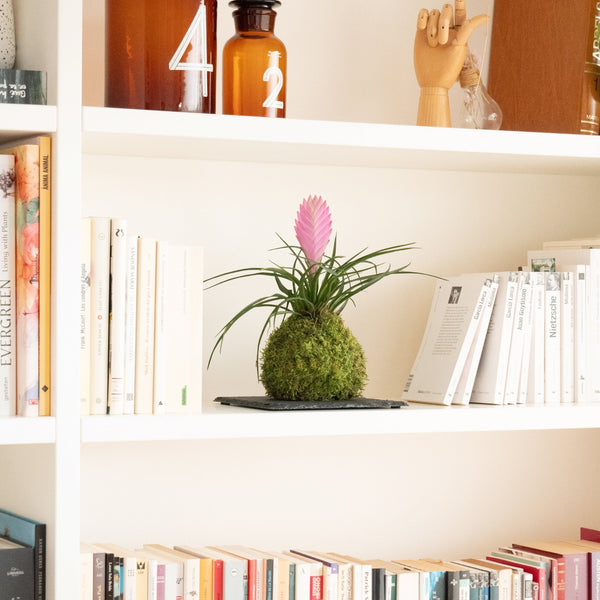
152	567
99	285
491	377
407	585
552	339
557	260
467	378
8	362
85	316
144	358
525	356
362	576
116	339
86	573
130	325
535	379
190	564
449	333
523	307
160	329
567	338
580	333
184	329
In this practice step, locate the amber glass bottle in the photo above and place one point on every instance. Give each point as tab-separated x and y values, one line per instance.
161	54
254	62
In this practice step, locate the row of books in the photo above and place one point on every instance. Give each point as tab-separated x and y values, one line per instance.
526	571
22	557
140	322
25	215
530	336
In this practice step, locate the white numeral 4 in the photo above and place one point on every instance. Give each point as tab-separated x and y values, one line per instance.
198	25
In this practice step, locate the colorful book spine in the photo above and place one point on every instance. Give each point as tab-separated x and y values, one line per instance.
8	363
27	211
45	275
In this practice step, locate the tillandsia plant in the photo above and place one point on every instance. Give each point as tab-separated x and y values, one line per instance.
311	355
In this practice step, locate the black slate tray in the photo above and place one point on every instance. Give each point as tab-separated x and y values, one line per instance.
266	403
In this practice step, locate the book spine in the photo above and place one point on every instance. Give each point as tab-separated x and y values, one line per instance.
524	371
205	579
518	339
552	339
116	339
130	325
144	360
161	328
152	579
535	387
109	576
480	340
505	339
566	338
581	385
100	257
218	579
590	94
316	587
8	372
44	282
27	278
85	316
129	578
99	575
191	579
160	581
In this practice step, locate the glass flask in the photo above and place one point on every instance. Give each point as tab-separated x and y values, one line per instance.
161	54
481	111
254	62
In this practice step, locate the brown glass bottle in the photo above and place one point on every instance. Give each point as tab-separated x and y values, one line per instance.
161	54
254	62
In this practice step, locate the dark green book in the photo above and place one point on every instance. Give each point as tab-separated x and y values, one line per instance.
18	86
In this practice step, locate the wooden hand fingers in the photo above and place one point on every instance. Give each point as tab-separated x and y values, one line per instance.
437	24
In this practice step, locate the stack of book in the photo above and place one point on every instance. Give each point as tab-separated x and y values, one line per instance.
530	336
556	570
140	322
22	557
25	204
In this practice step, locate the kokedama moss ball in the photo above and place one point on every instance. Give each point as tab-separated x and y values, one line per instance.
313	359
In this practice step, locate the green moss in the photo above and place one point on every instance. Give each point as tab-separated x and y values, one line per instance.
313	359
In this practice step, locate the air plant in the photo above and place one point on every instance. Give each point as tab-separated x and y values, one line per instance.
308	295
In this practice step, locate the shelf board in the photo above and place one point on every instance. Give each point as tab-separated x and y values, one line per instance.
27	430
222	422
18	120
233	138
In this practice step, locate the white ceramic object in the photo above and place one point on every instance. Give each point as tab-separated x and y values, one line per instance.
7	35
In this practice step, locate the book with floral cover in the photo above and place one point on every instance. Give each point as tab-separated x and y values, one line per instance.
27	257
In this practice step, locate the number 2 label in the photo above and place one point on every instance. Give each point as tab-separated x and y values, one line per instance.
277	75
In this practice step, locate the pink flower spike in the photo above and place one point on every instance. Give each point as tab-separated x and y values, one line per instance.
313	227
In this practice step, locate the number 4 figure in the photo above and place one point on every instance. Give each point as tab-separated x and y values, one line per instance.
198	25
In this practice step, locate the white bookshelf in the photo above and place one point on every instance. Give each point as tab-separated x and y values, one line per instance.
370	482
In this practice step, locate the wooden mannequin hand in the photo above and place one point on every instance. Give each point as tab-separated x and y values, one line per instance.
439	53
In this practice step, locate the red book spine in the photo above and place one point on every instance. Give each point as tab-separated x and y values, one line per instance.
217	579
316	587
